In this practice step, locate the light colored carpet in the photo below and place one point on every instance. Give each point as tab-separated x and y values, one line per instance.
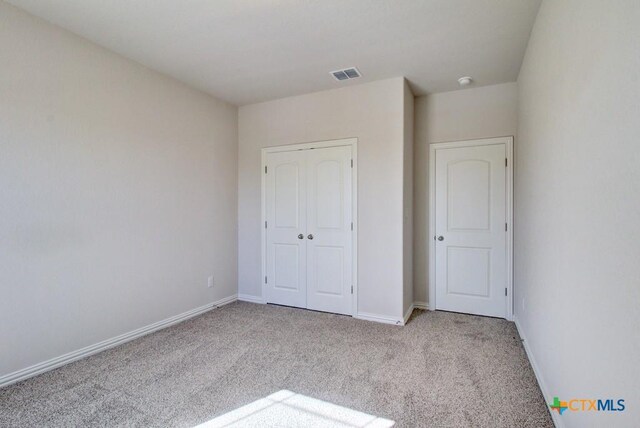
440	370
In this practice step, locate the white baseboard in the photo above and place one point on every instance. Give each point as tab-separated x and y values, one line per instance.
421	305
379	318
70	357
557	420
408	314
251	299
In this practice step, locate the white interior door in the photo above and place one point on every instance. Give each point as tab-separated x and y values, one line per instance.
286	209
470	223
309	260
329	252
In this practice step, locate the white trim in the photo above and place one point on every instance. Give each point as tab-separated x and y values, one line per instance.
432	228
509	202
508	142
421	305
263	229
251	299
311	145
557	420
378	318
70	357
354	215
407	314
353	142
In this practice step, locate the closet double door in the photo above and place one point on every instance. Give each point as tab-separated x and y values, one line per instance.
308	201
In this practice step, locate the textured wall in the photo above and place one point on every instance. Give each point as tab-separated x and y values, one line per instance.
577	235
488	111
118	194
373	113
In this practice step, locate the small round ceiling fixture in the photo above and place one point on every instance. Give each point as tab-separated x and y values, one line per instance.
465	81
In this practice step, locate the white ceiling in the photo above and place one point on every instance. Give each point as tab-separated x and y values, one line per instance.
246	51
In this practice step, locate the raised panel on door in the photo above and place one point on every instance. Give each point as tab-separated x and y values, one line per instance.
329	217
286	221
470	259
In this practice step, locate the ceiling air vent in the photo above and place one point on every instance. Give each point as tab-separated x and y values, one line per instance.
346	74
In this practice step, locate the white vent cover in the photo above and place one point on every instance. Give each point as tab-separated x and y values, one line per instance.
346	74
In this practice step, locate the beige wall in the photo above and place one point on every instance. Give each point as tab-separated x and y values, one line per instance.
373	113
577	213
488	111
118	194
408	120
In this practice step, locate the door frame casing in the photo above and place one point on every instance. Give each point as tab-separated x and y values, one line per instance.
353	143
508	142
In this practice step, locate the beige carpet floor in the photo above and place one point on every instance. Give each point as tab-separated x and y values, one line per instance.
440	370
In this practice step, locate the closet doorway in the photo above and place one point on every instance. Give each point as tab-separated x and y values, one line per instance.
309	235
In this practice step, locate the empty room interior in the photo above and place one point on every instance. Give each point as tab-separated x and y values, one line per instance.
298	213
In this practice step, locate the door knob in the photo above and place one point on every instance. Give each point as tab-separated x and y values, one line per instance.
440	238
310	236
301	236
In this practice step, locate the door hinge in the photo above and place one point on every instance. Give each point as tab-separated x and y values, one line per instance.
351	163
351	225
505	291
265	224
506	162
506	227
265	169
265	279
352	289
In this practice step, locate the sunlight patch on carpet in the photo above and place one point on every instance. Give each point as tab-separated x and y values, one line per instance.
288	409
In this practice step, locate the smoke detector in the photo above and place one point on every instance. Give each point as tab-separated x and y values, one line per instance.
465	81
345	74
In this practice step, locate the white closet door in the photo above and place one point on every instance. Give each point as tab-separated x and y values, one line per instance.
328	234
286	200
470	258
